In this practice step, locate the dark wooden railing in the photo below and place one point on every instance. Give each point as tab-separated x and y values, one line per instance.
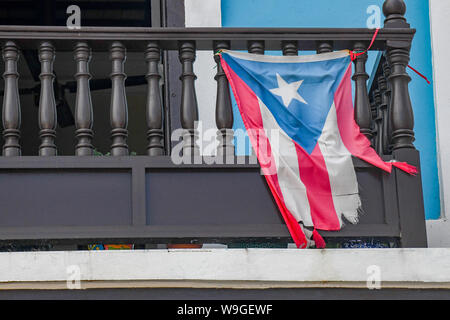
152	41
154	200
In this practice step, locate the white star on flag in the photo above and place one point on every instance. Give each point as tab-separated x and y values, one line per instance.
288	91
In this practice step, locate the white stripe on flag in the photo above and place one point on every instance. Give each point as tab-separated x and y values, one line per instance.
286	161
288	59
344	185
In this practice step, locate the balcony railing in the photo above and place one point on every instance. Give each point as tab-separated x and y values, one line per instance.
149	199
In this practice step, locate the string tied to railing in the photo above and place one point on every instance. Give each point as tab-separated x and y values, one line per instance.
354	54
421	75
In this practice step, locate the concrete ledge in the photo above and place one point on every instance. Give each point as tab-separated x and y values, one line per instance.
235	285
226	268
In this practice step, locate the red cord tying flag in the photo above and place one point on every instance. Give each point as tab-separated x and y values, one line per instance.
412	170
421	75
354	55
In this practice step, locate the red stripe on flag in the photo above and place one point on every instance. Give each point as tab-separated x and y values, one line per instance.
314	174
353	139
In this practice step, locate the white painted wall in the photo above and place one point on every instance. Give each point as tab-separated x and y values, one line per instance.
439	230
204	13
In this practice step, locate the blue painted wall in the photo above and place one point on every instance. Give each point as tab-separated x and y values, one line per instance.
353	14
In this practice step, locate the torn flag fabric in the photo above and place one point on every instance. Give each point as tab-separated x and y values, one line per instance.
298	113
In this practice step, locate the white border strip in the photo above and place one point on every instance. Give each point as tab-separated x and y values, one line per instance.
202	13
221	266
205	13
288	59
440	26
438	231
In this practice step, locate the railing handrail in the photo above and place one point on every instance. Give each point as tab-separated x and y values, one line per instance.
168	37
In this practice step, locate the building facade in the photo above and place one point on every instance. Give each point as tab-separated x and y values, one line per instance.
138	195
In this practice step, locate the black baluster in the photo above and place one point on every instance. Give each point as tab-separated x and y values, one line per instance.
362	105
119	108
377	140
154	110
402	118
224	110
373	113
324	47
289	47
47	105
84	117
373	107
383	109
189	107
256	46
11	101
387	125
397	53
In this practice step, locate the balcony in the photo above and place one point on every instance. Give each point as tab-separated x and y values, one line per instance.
58	198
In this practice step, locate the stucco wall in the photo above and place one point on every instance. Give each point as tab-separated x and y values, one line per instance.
201	13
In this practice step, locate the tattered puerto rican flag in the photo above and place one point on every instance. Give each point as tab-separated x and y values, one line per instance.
298	113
